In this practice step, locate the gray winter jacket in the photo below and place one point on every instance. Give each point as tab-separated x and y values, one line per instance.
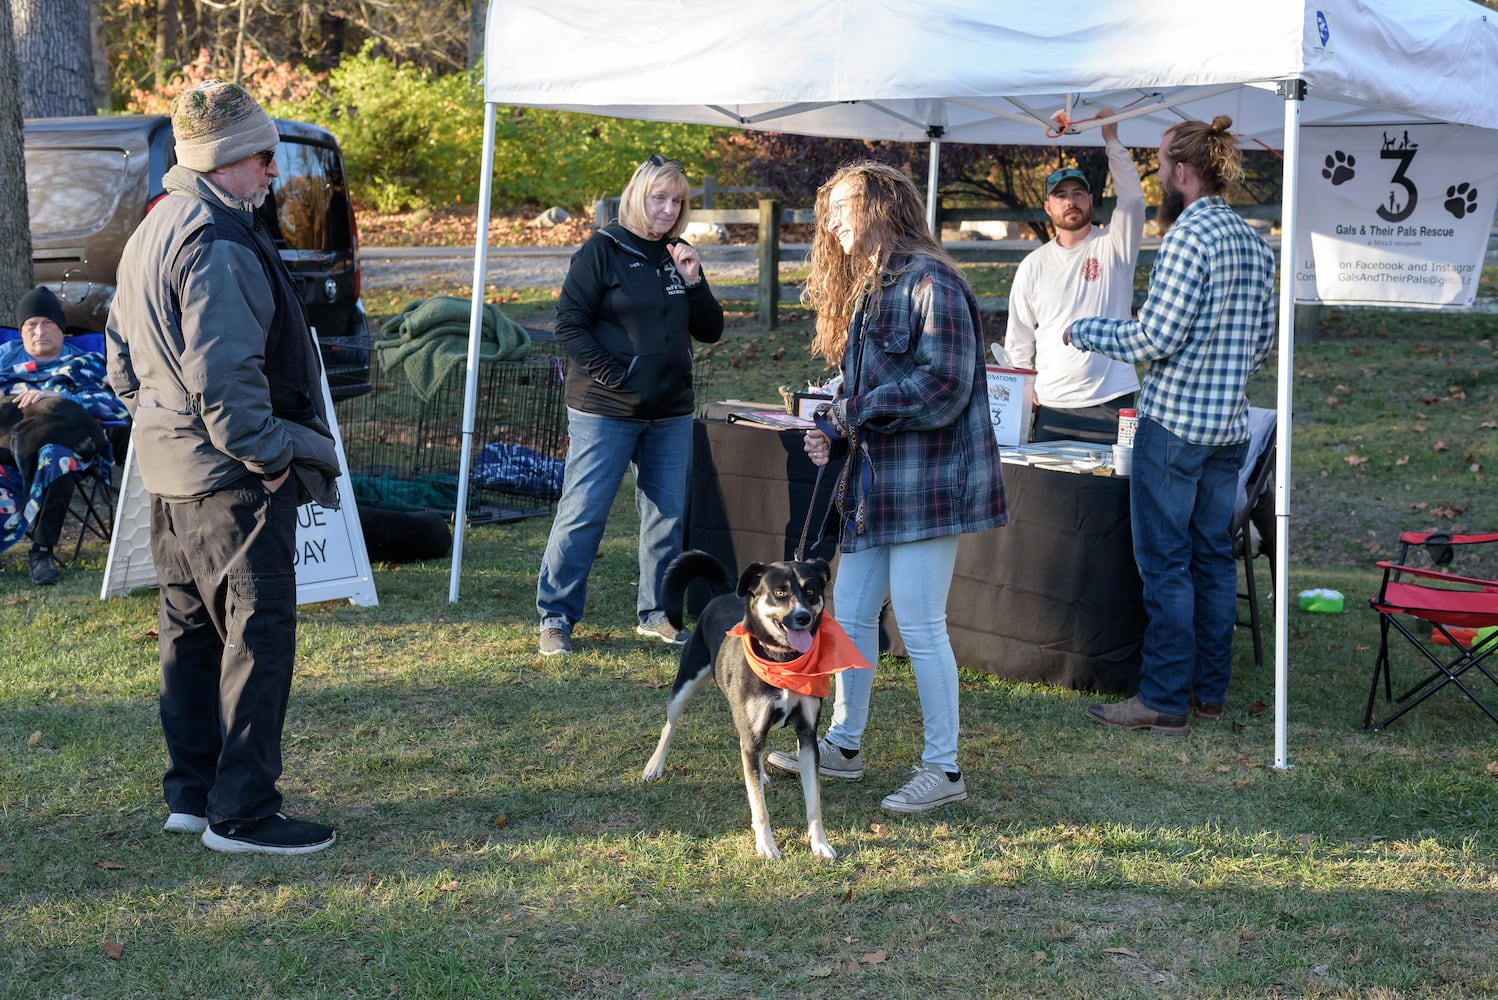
210	350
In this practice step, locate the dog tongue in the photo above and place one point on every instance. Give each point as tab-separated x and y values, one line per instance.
799	639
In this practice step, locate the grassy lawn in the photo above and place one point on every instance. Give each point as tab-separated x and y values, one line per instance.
495	839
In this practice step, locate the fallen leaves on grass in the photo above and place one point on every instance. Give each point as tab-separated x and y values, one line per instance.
34	740
1447	511
1439	446
114	950
1356	460
1402	461
1121	951
1493	769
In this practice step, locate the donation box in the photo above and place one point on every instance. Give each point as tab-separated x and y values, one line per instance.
1009	394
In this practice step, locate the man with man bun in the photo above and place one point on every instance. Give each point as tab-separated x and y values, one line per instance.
1206	326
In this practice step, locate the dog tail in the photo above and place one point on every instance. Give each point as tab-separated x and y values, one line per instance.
690	567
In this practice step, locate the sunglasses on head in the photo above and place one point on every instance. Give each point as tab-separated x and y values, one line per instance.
1065	174
657	160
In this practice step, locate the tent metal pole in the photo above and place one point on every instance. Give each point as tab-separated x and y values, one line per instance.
932	171
475	335
1294	92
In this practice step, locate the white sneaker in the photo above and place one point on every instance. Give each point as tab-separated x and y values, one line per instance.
185	823
928	788
834	764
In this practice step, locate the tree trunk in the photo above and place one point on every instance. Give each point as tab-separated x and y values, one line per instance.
15	226
164	55
476	32
103	98
54	52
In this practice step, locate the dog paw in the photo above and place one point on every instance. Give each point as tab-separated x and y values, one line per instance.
822	849
653	770
766	849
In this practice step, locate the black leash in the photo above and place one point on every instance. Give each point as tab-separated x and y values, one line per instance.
811	506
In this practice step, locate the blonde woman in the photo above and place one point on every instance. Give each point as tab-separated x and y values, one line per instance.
634	299
922	465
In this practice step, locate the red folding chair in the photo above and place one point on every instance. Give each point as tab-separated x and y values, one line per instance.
1443	611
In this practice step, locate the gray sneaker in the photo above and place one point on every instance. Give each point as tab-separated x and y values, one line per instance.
555	642
928	788
664	631
833	763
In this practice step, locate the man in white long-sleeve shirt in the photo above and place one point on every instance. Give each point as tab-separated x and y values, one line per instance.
1086	270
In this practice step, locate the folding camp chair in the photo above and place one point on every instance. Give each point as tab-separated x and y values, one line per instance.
1460	612
1253	480
93	500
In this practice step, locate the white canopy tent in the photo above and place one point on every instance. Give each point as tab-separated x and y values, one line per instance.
998	72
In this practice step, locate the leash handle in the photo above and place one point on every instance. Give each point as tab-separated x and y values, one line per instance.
811	506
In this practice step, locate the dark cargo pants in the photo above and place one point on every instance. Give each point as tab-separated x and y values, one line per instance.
227	635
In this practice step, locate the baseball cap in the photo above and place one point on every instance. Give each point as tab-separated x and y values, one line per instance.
1066	174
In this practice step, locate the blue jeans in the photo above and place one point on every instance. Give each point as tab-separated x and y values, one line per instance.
1181	500
916	577
599	450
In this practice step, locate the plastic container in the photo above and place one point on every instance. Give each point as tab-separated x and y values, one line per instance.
1323	602
1128	423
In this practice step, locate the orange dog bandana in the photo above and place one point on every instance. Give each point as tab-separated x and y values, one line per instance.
811	672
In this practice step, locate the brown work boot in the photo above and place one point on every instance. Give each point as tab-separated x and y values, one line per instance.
1206	711
1134	714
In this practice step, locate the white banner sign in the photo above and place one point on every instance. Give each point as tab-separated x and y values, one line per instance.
1394	214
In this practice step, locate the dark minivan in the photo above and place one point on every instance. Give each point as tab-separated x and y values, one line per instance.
91	180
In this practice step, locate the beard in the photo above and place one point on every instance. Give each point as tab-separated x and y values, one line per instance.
1172	204
1065	225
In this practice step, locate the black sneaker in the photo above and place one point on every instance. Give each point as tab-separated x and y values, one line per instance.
44	569
271	835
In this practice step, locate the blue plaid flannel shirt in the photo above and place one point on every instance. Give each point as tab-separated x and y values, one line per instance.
1207	325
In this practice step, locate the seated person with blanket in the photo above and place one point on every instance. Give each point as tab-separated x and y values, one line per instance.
35	372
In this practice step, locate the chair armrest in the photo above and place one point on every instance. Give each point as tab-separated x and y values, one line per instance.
1435	574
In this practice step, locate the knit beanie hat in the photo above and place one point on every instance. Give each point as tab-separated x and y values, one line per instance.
41	302
217	124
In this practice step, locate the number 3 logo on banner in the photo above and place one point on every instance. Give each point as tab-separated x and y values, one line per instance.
1405	154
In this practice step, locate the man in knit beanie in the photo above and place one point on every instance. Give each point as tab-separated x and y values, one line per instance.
210	349
40	366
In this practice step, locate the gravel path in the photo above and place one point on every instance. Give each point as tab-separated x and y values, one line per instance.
520	267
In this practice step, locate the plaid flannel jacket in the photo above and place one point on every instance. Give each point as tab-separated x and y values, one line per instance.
917	393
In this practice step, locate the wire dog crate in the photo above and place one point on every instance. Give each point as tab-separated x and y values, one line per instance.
404	451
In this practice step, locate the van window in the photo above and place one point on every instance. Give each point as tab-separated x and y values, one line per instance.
308	204
80	194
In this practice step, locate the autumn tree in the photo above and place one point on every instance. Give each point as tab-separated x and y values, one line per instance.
15	232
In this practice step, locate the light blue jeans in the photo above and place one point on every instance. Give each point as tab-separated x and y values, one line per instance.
916	577
598	452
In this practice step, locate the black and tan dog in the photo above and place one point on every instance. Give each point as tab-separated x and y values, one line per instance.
48	420
779	606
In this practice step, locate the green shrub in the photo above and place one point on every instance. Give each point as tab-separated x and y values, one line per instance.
411	140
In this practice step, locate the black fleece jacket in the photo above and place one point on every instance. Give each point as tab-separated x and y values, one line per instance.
627	320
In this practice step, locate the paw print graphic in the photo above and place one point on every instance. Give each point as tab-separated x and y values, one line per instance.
1338	167
1461	199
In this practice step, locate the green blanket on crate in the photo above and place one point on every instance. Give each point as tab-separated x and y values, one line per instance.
429	339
